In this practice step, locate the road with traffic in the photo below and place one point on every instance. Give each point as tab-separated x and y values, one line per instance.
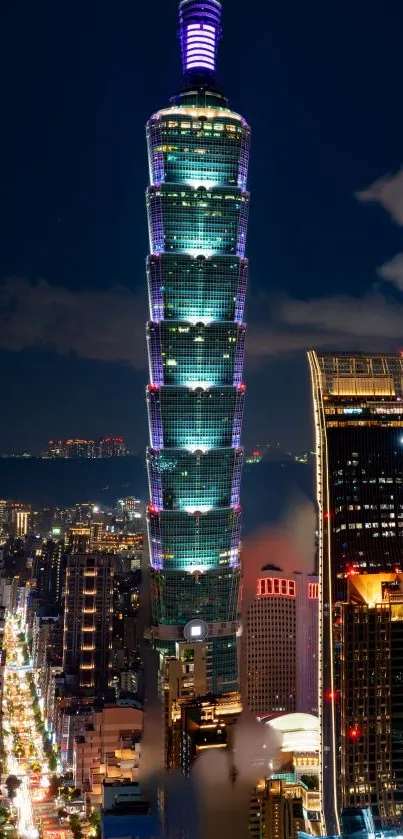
22	731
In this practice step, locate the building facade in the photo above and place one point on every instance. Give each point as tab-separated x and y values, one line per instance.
197	207
371	696
49	570
358	413
88	614
108	748
277	811
194	720
281	644
85	449
20	519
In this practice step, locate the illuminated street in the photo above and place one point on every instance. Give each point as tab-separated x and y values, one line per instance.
23	738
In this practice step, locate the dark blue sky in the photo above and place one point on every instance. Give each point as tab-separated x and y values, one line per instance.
320	84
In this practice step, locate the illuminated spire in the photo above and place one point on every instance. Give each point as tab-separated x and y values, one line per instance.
200	32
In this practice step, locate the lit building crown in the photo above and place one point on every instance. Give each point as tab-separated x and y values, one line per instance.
200	32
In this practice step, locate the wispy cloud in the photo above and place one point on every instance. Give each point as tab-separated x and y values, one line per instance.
392	271
109	325
103	325
373	323
388	192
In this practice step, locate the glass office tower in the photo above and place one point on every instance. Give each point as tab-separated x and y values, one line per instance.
197	206
358	405
371	696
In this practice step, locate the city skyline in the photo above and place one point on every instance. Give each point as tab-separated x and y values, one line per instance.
137	634
73	215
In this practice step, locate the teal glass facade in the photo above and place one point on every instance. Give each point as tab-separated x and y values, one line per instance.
197	207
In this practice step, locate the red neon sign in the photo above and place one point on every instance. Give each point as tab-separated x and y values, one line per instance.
276	587
313	591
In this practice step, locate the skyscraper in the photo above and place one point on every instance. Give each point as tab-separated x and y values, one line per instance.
358	411
371	696
197	207
50	570
281	635
88	610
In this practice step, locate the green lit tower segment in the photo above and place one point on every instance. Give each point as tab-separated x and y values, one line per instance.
197	207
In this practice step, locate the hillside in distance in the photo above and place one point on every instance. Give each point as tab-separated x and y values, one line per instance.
268	489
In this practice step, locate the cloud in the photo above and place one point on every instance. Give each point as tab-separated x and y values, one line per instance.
372	323
388	192
104	325
392	271
109	325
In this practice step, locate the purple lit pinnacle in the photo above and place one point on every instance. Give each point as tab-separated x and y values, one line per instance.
200	32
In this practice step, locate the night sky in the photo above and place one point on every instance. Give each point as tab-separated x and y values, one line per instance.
319	82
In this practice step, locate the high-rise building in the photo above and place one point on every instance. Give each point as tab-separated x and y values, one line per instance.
20	519
88	612
195	721
130	508
197	207
358	411
4	514
80	449
371	696
79	539
277	810
281	630
112	447
83	513
49	570
85	449
55	449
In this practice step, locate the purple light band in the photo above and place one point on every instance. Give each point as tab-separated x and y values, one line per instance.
200	31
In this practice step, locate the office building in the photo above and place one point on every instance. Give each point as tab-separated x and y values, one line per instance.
130	509
55	449
197	207
307	606
371	696
193	719
79	539
88	613
49	569
47	656
281	641
4	515
83	514
80	449
20	519
112	447
358	412
200	724
277	811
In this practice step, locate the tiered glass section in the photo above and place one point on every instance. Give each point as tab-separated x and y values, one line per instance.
197	207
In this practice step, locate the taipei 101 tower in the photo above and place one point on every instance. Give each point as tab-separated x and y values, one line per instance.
197	205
